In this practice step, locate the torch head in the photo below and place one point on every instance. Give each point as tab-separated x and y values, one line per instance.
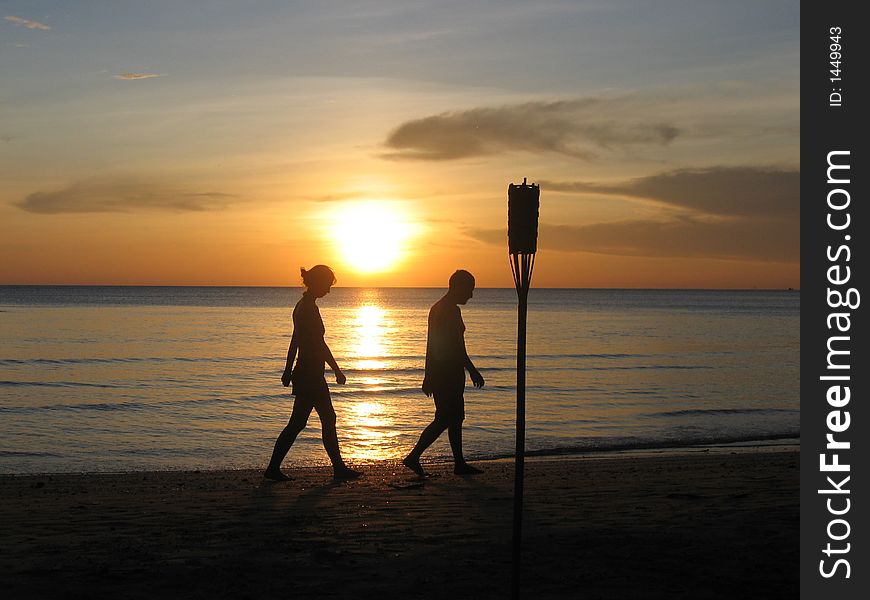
523	204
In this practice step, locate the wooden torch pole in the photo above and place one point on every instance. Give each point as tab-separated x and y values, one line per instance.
523	203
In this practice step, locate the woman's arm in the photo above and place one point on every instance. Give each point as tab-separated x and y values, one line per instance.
330	360
291	357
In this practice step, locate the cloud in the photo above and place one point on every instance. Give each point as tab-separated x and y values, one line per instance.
122	195
136	76
574	128
28	23
338	197
738	213
723	191
743	239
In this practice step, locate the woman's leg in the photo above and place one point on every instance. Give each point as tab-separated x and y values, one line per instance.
326	412
330	436
298	419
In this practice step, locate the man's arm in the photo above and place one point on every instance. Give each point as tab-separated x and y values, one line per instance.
476	377
427	381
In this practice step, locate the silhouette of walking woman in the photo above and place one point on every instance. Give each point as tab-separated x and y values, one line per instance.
309	382
446	363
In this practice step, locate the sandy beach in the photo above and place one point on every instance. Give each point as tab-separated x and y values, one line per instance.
715	523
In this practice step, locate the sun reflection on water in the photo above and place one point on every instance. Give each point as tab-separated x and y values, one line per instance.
368	413
370	426
372	432
370	346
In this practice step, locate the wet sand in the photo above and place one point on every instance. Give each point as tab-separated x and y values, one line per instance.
717	523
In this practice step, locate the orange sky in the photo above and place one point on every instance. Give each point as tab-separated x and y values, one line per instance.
180	147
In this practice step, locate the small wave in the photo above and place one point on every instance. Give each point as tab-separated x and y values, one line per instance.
18	454
99	407
720	411
380	391
629	444
139	406
397	371
132	359
642	367
60	384
511	356
391	358
561	356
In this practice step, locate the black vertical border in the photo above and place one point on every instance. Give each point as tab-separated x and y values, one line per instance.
826	128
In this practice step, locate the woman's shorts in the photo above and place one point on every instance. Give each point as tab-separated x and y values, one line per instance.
311	385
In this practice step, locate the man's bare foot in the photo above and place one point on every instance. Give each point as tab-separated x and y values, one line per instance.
276	475
463	468
414	465
344	472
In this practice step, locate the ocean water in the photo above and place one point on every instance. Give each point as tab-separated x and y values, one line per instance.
136	378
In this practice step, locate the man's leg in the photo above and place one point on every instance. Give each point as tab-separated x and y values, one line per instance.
427	438
460	467
454	432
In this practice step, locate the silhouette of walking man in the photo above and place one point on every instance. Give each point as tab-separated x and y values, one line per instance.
308	378
446	363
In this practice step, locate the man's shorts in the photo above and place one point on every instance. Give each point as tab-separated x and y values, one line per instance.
448	390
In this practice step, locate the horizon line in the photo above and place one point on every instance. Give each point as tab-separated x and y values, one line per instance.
397	287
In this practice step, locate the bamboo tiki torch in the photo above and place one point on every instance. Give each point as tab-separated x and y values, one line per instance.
523	203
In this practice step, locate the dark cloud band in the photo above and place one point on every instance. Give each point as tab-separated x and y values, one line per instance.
726	191
742	213
575	128
122	195
733	239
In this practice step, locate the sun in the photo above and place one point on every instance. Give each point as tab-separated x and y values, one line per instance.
372	236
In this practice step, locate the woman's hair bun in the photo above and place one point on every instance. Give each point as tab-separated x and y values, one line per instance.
317	274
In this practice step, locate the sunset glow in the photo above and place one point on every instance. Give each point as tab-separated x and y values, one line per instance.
373	236
380	139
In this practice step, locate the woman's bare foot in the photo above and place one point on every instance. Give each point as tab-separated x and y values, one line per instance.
463	468
414	465
344	472
276	475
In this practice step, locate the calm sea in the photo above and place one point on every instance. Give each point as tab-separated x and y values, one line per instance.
129	378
